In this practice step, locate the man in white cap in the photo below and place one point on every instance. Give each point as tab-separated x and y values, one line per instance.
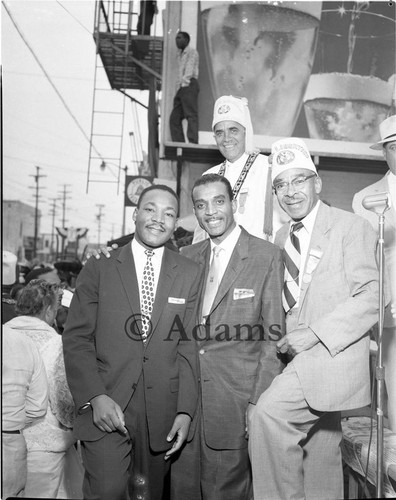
386	185
9	279
247	171
330	298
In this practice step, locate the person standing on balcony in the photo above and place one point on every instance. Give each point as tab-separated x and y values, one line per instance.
185	103
148	9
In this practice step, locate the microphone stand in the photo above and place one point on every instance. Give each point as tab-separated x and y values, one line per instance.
380	369
379	204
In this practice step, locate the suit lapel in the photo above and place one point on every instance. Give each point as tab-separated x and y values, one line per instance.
235	265
203	259
390	214
127	271
317	246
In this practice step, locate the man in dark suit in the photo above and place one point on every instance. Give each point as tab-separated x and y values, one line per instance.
135	392
236	343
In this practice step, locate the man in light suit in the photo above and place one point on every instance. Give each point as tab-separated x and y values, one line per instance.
136	393
331	298
236	343
386	185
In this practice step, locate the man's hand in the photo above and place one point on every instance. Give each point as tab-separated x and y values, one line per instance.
297	341
248	418
106	251
180	427
107	415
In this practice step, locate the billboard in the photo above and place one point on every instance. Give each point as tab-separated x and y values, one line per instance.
322	71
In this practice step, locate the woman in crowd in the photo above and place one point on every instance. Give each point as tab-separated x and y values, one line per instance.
50	443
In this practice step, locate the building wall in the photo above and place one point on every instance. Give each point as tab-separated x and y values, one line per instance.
18	226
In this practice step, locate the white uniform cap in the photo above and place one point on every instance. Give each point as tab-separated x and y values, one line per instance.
9	268
290	153
387	131
234	109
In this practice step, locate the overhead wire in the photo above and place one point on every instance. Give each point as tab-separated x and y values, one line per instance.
49	79
77	20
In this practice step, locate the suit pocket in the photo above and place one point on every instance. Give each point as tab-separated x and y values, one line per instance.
174	384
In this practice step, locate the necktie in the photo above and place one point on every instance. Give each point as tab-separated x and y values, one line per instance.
212	283
292	261
147	295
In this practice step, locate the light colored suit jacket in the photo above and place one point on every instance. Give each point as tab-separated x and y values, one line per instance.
339	302
389	235
103	354
235	367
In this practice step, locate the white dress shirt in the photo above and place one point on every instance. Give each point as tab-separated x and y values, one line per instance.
304	236
140	259
228	246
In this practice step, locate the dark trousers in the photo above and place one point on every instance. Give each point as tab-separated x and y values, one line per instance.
119	467
203	473
185	106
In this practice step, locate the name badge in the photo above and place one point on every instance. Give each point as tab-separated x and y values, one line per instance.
243	293
312	263
176	300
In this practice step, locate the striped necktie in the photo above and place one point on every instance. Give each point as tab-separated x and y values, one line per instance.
212	283
147	295
292	261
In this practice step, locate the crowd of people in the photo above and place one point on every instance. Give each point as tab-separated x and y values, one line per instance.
217	372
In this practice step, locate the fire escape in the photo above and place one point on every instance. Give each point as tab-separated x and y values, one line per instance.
131	61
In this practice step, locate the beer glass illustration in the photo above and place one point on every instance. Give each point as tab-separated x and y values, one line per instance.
351	95
262	51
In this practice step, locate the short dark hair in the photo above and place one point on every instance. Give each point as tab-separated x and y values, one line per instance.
160	187
185	34
35	297
209	179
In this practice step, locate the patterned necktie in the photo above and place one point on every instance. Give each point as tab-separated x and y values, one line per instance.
147	295
212	283
292	261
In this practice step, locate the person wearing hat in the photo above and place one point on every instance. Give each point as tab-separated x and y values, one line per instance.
386	185
330	297
248	172
9	279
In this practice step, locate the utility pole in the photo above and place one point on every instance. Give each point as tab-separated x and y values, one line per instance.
65	197
37	178
99	218
53	213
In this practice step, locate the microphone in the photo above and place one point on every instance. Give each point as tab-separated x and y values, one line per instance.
378	203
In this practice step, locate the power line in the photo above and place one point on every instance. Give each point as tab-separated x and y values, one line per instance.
49	79
24	73
79	22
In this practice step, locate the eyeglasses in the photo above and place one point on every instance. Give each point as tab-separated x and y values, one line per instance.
297	183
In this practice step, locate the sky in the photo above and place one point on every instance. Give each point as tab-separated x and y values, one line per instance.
47	116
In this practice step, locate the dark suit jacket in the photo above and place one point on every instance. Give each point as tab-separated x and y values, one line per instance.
104	356
236	367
